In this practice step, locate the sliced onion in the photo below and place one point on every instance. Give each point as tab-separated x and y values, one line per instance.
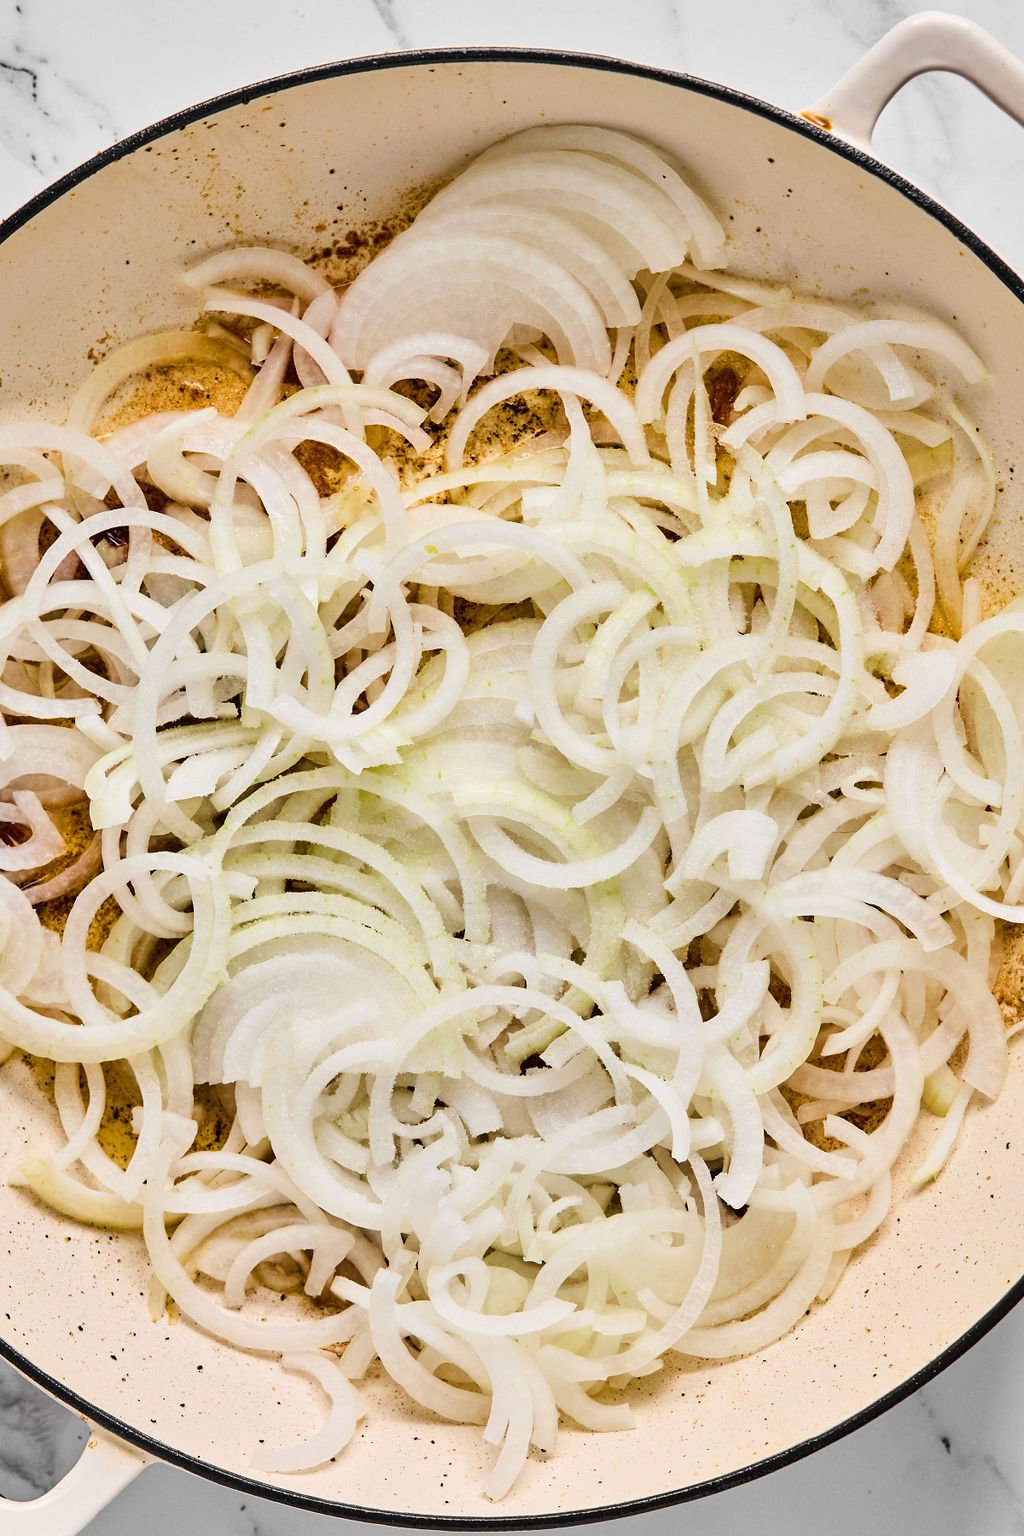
331	1439
506	845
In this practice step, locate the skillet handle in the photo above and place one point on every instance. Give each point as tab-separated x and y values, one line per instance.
931	40
103	1469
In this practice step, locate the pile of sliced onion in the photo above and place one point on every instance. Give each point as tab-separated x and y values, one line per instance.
545	855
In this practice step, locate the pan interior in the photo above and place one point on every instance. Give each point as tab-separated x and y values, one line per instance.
304	167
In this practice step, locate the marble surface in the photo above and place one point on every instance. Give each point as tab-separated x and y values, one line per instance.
75	77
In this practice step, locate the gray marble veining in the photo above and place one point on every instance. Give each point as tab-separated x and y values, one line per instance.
39	1440
397	35
44	109
950	1460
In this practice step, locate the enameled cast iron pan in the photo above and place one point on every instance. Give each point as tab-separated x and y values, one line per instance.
95	260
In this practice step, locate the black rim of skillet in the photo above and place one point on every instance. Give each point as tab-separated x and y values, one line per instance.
1014	282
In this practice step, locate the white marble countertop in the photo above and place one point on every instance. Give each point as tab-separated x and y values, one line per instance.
73	78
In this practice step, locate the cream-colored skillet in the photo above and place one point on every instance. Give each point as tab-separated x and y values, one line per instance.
96	258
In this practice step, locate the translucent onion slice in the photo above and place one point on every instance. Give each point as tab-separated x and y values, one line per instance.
333	1436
